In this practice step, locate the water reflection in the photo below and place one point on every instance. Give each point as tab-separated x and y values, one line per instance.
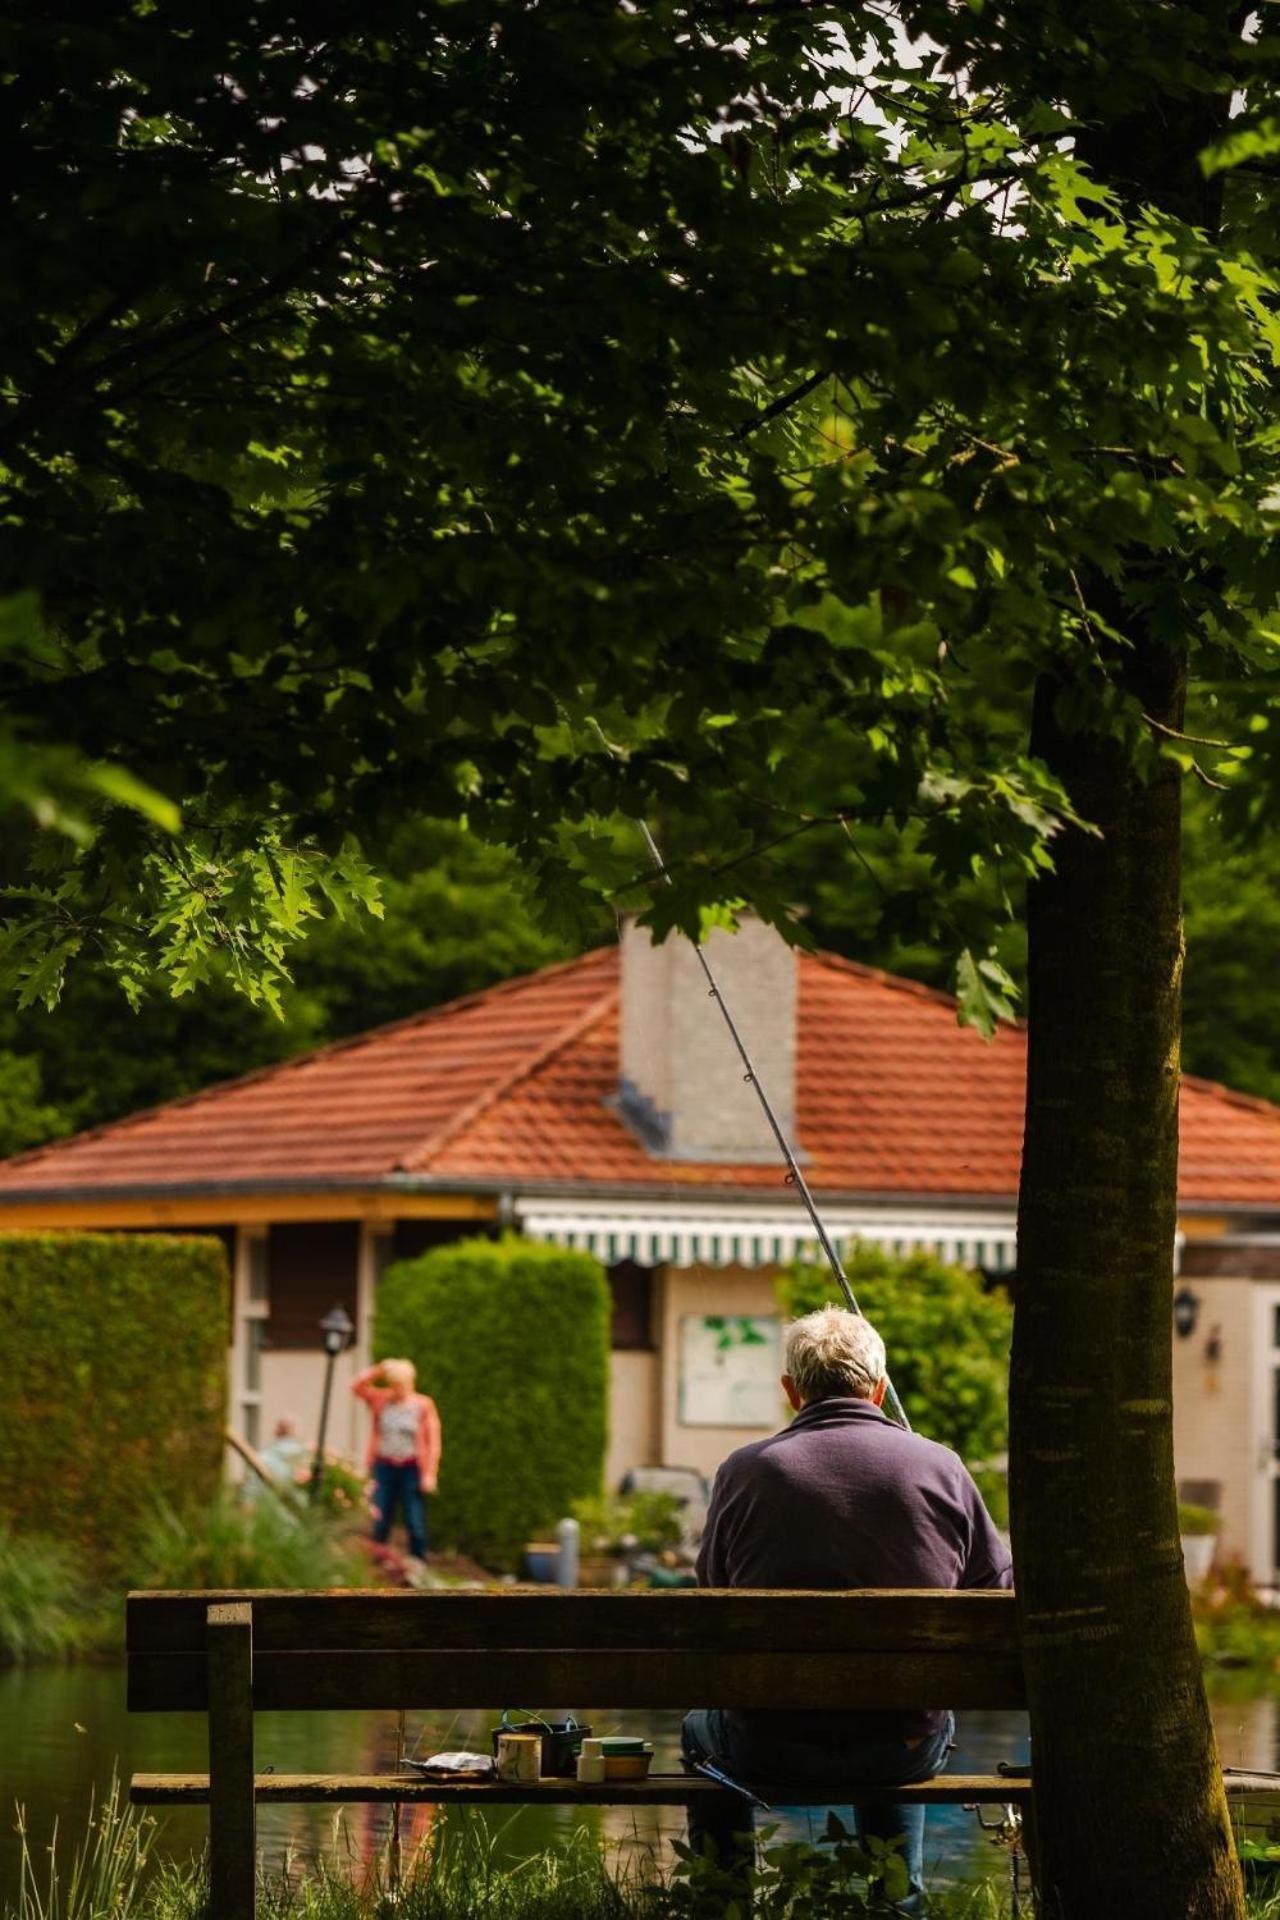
63	1729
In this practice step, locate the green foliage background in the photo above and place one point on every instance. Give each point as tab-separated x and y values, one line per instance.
511	1340
458	916
947	1341
114	1382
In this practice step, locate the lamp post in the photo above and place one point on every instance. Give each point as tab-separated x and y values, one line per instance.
337	1330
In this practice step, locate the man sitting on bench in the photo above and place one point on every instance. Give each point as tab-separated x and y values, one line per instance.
842	1498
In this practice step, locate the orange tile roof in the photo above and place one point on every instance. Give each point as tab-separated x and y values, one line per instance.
509	1088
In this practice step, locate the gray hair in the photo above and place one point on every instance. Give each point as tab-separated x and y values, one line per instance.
834	1352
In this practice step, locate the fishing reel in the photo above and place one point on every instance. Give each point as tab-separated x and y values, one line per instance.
1006	1831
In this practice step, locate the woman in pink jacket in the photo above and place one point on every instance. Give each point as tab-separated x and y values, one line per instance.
404	1448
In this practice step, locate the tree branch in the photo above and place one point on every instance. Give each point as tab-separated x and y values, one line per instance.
1192	739
131	355
780	405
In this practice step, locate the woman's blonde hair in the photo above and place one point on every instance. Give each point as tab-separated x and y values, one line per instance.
402	1370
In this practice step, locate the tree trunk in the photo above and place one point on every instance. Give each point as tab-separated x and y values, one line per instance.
1131	1815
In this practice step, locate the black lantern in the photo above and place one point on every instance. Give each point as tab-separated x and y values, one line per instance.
1186	1311
337	1330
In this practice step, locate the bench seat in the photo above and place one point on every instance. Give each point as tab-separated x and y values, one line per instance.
659	1790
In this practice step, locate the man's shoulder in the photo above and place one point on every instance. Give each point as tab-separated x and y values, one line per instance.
786	1450
749	1457
928	1456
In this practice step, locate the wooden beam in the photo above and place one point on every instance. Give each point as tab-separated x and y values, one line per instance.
659	1790
742	1620
782	1681
232	1833
182	1212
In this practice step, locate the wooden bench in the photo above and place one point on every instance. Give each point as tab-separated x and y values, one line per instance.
233	1654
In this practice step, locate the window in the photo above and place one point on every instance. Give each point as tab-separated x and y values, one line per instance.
255	1340
311	1267
631	1328
412	1237
256	1269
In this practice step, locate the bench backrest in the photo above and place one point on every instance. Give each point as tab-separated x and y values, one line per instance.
730	1649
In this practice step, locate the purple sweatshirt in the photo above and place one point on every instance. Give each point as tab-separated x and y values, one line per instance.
844	1498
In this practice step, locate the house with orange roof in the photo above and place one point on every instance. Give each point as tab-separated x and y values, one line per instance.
601	1105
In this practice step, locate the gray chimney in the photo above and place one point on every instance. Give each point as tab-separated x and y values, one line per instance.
682	1088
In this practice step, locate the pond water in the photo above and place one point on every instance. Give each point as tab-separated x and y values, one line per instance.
64	1729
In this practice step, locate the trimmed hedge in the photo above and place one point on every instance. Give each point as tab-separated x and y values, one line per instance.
511	1340
114	1387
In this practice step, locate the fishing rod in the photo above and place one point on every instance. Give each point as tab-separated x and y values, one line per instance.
795	1178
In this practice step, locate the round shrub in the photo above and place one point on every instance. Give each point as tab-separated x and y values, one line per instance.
511	1340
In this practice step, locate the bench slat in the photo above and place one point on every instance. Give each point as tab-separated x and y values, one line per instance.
785	1679
884	1620
659	1790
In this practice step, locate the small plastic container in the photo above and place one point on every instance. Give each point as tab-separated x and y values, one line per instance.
519	1758
591	1763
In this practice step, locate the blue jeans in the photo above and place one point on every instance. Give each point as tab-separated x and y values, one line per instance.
752	1754
398	1485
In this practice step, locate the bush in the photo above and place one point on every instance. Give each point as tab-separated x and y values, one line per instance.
1234	1625
115	1381
230	1544
1193	1520
512	1341
629	1522
947	1340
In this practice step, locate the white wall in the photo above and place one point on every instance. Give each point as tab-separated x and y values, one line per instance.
634	1381
293	1383
1215	1411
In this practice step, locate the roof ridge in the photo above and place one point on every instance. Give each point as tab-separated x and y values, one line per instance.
418	1160
594	956
1251	1102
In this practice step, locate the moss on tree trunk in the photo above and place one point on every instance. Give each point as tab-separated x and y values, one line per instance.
1131	1814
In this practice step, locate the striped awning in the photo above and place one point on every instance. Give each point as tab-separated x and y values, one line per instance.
684	1234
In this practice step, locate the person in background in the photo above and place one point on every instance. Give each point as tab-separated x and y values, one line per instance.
842	1498
404	1448
286	1452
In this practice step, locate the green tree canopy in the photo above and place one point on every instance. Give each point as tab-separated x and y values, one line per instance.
457	917
444	384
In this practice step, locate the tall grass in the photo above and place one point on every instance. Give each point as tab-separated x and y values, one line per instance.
43	1600
229	1544
460	1873
50	1611
102	1880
